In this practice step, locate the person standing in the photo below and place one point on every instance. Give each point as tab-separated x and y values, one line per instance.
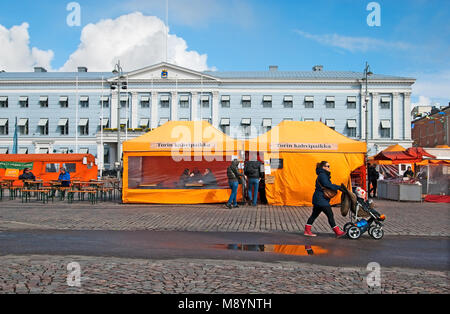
408	173
234	176
252	170
373	180
320	202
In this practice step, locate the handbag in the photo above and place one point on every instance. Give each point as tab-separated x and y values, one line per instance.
327	193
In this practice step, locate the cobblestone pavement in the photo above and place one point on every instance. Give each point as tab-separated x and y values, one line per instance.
49	274
403	218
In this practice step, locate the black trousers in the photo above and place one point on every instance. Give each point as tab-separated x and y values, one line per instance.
326	210
374	187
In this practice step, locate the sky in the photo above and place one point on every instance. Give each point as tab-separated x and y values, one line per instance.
408	38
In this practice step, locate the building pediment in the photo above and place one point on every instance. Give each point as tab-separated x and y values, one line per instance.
167	71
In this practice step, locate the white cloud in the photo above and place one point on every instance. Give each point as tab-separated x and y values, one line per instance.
431	88
136	40
353	44
16	54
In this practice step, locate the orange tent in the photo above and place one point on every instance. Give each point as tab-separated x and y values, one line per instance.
46	166
154	164
291	151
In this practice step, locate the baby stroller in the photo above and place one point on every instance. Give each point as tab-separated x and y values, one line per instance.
363	216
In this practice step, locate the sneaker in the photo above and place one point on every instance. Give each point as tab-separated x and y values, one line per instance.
228	206
236	206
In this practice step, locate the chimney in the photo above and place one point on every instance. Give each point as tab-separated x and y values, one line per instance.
273	68
82	69
318	68
40	69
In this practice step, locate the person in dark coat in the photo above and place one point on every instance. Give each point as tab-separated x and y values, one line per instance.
208	178
234	177
373	180
195	175
184	178
252	170
320	203
408	173
27	175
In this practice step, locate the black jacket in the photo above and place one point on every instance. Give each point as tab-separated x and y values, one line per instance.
233	173
252	169
27	176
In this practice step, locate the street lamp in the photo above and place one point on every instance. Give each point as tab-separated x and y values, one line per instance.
367	73
119	85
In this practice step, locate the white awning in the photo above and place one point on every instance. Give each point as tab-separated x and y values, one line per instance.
83	122
288	98
351	99
351	124
123	98
123	121
246	98
62	122
42	122
63	99
330	98
3	98
205	98
145	98
164	98
386	99
104	98
3	122
43	151
246	121
225	121
23	98
309	98
84	98
184	98
267	98
386	124
330	123
22	122
43	98
105	122
163	120
3	150
144	122
267	122
23	151
225	98
83	151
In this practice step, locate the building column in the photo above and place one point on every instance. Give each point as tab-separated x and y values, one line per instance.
114	105
215	109
363	115
194	106
173	106
100	155
375	118
396	121
134	110
154	115
407	115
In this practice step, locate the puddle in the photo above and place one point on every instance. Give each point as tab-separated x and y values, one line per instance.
286	249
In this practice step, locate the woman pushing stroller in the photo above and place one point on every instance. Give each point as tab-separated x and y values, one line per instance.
320	202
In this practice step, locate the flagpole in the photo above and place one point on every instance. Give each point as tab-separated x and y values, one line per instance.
102	162
76	117
16	139
127	115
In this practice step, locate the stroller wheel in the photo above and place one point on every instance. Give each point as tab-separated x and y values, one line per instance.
354	232
347	226
377	233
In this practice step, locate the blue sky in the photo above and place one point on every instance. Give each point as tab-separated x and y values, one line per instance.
413	39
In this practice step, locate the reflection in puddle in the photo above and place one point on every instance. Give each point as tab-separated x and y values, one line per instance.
286	249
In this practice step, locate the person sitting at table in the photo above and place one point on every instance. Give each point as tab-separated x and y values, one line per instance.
184	178
208	178
64	178
195	176
408	173
27	175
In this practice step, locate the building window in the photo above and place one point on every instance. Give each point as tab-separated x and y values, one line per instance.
83	127
267	124
164	101
385	129
309	102
351	128
23	102
43	126
144	123
64	101
329	102
105	123
246	101
63	125
385	103
43	101
184	101
288	102
23	126
351	102
4	127
3	102
225	101
124	101
84	102
205	101
145	102
225	125
124	123
104	101
330	123
246	124
267	101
